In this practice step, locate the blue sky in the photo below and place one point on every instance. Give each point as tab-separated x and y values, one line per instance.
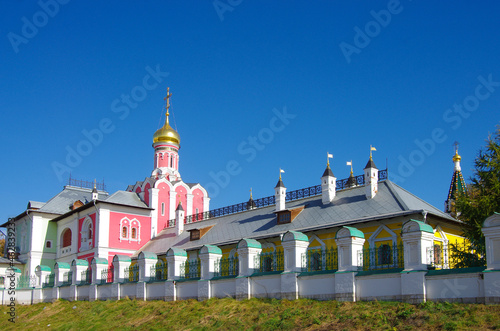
301	78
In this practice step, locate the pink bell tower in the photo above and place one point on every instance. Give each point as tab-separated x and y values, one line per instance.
166	143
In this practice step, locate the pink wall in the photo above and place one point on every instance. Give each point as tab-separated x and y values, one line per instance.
181	195
163	196
197	201
79	234
138	190
115	231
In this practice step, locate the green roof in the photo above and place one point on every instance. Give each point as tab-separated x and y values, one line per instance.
80	262
250	243
174	251
121	258
148	256
295	235
352	231
422	226
99	260
210	249
17	270
44	268
61	265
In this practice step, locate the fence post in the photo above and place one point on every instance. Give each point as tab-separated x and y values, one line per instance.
247	250
146	260
41	272
60	268
98	265
294	245
418	238
77	267
209	254
350	243
175	257
120	263
491	230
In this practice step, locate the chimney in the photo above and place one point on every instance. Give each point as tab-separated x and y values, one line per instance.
280	194
179	219
371	179
328	185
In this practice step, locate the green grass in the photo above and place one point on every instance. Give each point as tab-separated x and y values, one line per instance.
253	314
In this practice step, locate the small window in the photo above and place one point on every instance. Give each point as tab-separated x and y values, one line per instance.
284	217
384	254
134	233
162	208
66	238
194	234
48	244
438	256
124	232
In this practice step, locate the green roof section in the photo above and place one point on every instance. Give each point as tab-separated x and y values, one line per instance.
61	265
16	270
210	249
80	262
295	236
174	251
352	231
44	268
99	260
250	243
422	226
148	256
121	258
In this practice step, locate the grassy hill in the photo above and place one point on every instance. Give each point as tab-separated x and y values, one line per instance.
254	314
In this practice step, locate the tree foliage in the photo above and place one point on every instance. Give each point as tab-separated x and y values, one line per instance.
483	193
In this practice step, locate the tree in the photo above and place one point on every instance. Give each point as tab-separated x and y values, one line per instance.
482	198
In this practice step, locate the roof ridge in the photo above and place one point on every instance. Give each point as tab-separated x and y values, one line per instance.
390	185
418	198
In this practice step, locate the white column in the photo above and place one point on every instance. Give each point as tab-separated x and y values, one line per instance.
77	267
175	257
60	268
173	206
371	180
294	246
98	265
418	239
189	203
349	245
247	250
41	272
280	195
209	254
491	230
120	263
146	260
179	220
328	186
153	203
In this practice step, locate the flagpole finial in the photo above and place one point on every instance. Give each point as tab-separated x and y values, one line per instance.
372	149
328	157
250	193
280	173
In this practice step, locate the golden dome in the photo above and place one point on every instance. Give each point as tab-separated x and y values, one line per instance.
166	134
456	157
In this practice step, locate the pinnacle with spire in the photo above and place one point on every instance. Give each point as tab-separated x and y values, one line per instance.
457	185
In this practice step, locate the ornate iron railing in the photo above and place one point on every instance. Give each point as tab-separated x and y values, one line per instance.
67	278
227	267
191	269
26	282
320	260
341	184
383	257
454	256
107	275
132	274
269	262
86	277
159	272
49	280
86	184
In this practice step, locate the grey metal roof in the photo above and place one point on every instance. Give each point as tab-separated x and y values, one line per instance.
349	206
61	203
126	198
35	204
4	260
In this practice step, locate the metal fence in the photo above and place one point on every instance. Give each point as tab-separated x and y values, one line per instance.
67	278
191	269
86	277
269	262
385	256
227	267
26	282
159	272
455	256
49	280
107	275
321	259
132	274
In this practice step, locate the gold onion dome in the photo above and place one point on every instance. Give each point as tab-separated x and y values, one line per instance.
456	157
166	134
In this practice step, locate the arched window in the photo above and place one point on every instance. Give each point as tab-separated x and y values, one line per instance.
134	233
171	161
66	238
90	231
124	232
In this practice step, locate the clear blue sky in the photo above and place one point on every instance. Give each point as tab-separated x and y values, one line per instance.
228	67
